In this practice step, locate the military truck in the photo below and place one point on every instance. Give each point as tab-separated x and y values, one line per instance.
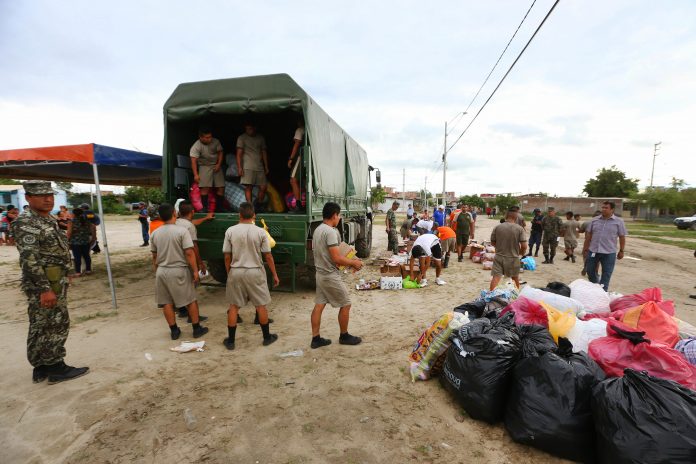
334	166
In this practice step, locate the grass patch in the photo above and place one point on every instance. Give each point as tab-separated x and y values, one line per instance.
678	243
654	230
98	314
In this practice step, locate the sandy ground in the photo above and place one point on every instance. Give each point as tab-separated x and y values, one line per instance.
337	404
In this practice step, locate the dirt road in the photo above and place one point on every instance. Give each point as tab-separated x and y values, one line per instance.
337	404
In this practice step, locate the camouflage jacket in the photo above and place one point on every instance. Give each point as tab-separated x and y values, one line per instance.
40	244
551	225
391	220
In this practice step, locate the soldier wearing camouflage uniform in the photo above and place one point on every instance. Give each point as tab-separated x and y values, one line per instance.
552	229
392	231
44	257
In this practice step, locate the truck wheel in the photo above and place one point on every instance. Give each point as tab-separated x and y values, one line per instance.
363	245
216	267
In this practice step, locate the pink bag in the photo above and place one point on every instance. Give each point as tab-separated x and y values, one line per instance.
625	347
649	294
527	312
657	325
195	197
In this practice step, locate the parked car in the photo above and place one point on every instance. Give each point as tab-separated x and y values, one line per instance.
686	222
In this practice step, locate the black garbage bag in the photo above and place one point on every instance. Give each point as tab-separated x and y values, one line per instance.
535	340
477	371
559	288
472	329
549	406
475	309
641	418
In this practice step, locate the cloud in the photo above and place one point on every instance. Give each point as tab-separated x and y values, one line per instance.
518	130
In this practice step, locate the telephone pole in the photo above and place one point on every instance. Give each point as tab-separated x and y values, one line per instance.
652	174
444	161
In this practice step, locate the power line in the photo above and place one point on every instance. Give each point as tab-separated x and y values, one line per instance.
500	57
506	75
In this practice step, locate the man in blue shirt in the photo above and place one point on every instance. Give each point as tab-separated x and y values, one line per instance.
410	212
142	217
600	244
439	216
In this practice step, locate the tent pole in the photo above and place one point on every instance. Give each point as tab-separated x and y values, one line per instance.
103	231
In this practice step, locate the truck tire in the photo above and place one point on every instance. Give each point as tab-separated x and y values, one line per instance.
363	245
216	267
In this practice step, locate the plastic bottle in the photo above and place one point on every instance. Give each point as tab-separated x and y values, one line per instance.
190	419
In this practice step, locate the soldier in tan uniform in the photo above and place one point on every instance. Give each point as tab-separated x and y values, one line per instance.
44	256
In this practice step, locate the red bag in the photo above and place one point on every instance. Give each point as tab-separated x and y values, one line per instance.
657	325
627	348
527	312
649	294
195	196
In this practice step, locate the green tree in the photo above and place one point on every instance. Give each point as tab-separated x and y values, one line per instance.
135	194
505	202
378	195
472	200
611	183
65	186
10	182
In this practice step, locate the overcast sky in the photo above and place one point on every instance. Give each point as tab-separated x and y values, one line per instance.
599	85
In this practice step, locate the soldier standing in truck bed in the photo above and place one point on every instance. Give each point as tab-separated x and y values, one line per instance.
44	256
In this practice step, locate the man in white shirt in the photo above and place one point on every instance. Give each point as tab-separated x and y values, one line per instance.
426	248
424	226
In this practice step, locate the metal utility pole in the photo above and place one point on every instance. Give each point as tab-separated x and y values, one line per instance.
403	187
652	174
444	168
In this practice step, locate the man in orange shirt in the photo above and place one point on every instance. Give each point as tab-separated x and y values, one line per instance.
448	241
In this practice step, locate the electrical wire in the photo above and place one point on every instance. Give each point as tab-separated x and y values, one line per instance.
503	78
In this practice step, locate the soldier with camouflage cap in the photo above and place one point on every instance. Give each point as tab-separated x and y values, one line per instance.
551	224
44	257
392	231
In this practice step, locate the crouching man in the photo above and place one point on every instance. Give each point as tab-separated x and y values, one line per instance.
243	247
176	272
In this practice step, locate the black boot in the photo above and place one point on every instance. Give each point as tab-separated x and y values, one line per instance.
446	263
572	258
546	259
536	254
61	372
39	374
567	258
552	255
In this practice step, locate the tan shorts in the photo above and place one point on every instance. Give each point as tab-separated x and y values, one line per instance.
331	290
210	178
253	178
570	243
247	285
174	285
449	245
508	267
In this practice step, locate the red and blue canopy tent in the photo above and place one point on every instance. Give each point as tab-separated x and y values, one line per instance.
88	163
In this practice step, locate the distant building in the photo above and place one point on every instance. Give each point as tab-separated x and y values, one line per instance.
585	206
14	195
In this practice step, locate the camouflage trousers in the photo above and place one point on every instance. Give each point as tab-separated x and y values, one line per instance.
48	329
549	241
393	245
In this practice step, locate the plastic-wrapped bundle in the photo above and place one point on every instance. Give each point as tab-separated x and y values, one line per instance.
592	296
432	344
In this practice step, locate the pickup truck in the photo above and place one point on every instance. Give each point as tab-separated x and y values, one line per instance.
686	222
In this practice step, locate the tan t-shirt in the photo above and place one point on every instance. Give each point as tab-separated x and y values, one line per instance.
246	242
252	146
325	237
170	241
188	225
507	238
206	154
571	229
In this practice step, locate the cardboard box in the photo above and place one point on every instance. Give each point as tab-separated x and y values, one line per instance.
346	251
405	271
390	271
473	249
391	283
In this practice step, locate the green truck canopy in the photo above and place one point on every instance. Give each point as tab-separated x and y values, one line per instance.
339	164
